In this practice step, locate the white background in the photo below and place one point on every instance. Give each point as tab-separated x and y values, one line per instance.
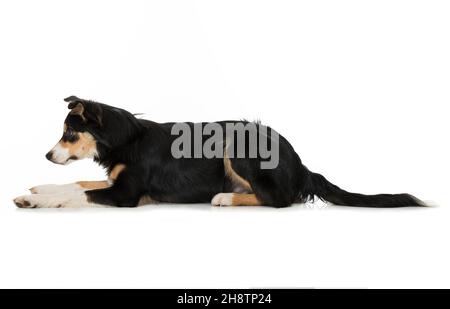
360	88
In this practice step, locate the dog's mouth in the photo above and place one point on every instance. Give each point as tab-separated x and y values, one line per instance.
51	157
70	160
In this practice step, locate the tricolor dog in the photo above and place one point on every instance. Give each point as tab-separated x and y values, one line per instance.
161	162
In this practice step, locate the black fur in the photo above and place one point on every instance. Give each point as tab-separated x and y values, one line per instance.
144	147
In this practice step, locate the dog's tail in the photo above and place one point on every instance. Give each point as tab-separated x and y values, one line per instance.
317	185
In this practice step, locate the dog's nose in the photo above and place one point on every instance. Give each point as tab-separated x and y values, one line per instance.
49	155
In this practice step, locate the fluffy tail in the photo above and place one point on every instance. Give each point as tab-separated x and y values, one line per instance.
319	186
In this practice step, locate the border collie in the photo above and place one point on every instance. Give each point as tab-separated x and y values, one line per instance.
138	157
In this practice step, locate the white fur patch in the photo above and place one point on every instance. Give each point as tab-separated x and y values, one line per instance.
61	155
51	189
73	199
222	199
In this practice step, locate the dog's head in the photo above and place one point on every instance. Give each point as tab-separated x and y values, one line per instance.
81	127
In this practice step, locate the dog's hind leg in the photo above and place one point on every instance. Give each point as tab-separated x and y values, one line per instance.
269	187
235	199
77	186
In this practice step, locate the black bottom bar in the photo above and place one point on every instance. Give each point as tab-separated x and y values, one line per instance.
222	298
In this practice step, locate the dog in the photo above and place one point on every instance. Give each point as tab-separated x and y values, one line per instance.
141	167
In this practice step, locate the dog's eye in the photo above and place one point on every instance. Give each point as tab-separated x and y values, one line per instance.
70	135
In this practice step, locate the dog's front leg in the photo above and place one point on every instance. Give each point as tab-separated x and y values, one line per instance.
70	199
56	196
118	195
77	186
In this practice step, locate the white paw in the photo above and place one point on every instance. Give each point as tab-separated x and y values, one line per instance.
50	189
222	199
37	201
23	202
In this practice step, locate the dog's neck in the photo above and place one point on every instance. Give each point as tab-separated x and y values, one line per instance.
118	147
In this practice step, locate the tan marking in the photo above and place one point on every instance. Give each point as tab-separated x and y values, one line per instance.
234	177
239	199
116	171
146	200
85	146
92	185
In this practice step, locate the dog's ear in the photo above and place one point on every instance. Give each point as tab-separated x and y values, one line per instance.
94	113
74	102
77	108
72	98
88	111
